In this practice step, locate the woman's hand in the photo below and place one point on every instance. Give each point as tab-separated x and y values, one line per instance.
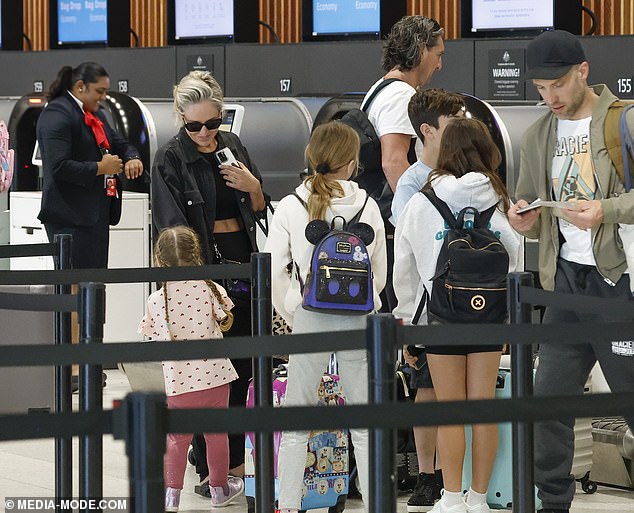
240	178
109	165
133	169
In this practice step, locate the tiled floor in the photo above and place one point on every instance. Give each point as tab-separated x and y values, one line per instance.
26	470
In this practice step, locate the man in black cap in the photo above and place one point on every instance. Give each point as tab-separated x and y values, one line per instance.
564	158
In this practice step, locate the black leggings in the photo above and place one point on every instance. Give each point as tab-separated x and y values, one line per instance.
232	246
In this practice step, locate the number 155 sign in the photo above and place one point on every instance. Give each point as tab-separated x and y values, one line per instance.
624	85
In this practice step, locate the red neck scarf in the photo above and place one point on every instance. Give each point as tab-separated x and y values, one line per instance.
97	129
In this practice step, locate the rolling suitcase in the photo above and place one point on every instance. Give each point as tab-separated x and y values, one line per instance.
500	493
326	476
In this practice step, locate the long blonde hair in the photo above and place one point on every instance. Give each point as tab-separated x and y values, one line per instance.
180	246
331	146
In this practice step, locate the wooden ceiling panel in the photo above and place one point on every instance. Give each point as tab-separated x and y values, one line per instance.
148	19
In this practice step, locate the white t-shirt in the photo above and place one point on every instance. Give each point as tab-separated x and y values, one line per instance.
388	111
573	180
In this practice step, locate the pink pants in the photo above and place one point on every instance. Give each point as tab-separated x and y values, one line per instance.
175	459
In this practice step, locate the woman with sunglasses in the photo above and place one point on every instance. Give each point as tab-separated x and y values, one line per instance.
220	202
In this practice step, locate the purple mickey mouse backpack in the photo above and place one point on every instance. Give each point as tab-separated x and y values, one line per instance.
340	277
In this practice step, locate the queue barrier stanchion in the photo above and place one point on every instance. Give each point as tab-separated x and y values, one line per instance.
261	324
92	310
381	343
521	386
63	391
141	420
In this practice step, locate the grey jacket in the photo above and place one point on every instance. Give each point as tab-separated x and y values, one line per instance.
535	181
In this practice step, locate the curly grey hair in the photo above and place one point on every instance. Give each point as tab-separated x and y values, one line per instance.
196	87
402	49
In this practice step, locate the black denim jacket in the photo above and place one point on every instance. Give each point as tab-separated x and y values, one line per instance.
177	198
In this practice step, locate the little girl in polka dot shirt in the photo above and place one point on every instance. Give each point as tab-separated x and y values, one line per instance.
192	310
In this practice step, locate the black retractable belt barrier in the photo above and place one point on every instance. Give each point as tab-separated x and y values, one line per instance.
261	324
60	250
63	388
381	342
521	386
92	316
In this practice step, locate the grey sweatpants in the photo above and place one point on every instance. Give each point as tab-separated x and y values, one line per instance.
563	370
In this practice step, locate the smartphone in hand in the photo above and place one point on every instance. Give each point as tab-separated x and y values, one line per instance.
225	156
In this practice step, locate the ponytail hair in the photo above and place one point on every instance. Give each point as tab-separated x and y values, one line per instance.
87	72
332	146
180	246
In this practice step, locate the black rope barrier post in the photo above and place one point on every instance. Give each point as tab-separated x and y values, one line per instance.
92	316
381	342
63	392
521	386
141	420
261	324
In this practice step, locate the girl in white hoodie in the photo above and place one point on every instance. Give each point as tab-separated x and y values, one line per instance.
466	176
332	156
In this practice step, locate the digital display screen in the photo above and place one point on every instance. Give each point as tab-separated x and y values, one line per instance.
511	14
346	17
203	18
82	21
232	116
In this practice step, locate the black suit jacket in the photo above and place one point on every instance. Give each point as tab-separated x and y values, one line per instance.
72	191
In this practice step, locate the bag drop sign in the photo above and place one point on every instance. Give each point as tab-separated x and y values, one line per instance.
505	74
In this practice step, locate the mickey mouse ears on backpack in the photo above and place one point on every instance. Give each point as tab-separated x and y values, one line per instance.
318	229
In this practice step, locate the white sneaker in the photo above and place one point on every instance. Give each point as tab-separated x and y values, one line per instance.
441	507
172	499
483	507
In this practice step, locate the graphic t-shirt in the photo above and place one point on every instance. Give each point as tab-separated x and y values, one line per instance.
574	180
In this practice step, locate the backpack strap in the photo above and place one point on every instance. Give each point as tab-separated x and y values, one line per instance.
421	305
300	200
442	208
357	216
615	134
353	220
377	90
481	219
627	146
484	218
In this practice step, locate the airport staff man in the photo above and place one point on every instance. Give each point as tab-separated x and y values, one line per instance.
564	158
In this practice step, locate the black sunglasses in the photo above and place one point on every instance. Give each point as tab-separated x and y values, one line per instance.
197	126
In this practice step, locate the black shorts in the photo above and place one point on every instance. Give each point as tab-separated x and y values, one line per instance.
462	350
